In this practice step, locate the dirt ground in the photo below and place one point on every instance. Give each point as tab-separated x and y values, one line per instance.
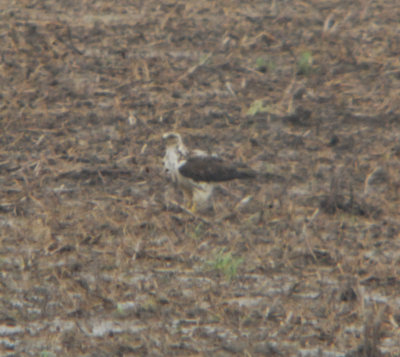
98	254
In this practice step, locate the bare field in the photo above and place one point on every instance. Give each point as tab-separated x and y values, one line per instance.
99	257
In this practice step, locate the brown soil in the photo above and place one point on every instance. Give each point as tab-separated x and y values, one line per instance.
99	257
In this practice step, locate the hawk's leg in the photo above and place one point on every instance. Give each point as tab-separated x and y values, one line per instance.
193	207
188	199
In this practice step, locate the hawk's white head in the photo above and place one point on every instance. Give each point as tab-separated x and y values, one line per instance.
174	140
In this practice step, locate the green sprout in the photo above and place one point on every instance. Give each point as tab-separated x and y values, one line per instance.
304	64
47	354
258	107
263	64
198	231
226	264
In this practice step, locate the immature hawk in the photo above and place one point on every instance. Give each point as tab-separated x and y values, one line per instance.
196	173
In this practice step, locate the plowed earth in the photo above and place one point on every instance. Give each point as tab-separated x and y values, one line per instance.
98	254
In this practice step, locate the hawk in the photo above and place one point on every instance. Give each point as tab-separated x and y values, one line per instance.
196	173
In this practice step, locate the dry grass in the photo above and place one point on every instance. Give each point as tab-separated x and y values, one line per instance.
97	257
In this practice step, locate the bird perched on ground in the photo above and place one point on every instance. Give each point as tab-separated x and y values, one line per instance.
196	172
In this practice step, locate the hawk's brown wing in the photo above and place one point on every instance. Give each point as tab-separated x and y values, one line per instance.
213	169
